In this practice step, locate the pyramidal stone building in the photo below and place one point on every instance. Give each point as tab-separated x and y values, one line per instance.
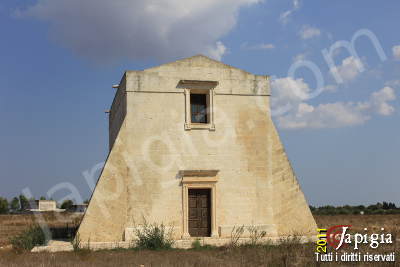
193	146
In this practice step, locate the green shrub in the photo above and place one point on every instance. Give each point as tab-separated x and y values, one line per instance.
3	206
30	238
196	244
67	204
14	205
378	208
154	237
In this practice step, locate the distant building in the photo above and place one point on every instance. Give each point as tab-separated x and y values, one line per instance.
43	205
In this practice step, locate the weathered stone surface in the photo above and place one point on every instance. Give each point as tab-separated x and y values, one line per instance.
149	149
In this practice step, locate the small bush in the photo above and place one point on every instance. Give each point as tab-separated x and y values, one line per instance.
255	235
27	240
236	234
154	237
76	242
290	241
196	244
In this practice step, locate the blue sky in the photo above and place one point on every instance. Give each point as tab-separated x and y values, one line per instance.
59	59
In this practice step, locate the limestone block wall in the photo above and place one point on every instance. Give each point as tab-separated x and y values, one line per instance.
291	211
105	217
160	149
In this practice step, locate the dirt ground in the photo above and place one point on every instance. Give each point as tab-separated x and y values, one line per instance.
287	254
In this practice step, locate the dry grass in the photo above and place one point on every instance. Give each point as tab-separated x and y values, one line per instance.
288	254
283	255
12	225
244	256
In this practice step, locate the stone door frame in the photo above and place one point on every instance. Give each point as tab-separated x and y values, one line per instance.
199	179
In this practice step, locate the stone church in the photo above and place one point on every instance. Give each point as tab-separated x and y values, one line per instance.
192	145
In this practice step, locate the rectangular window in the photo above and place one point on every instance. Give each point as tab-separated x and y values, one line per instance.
198	108
199	104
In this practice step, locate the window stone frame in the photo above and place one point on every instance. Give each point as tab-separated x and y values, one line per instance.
206	87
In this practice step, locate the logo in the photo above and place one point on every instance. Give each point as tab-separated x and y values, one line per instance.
335	234
339	236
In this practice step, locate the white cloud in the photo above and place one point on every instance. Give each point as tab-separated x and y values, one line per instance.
308	32
349	69
108	31
292	91
217	51
258	46
288	92
285	16
292	112
396	52
331	115
379	99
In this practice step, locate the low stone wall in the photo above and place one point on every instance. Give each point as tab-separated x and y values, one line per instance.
58	246
227	230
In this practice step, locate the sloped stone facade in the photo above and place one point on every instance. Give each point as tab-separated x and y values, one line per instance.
156	156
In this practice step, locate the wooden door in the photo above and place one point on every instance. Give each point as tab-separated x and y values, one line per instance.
199	212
